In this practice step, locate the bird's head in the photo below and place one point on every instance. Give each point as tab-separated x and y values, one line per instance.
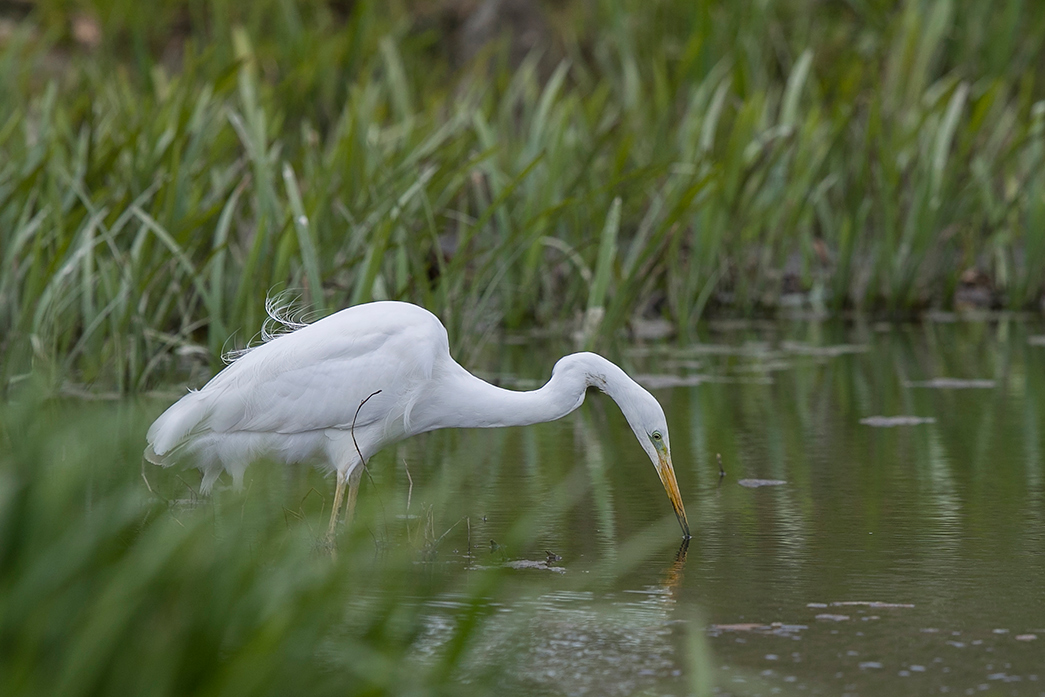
646	418
640	408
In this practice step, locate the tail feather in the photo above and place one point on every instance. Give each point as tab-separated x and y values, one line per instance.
154	457
174	427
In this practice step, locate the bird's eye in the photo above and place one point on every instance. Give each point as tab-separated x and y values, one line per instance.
655	435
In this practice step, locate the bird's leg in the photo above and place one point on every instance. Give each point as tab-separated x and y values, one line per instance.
339	493
353	490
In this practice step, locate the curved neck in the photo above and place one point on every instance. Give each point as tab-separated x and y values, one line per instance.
460	400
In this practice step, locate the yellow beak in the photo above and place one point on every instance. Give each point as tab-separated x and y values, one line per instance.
667	478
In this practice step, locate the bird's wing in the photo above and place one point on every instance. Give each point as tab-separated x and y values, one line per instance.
317	377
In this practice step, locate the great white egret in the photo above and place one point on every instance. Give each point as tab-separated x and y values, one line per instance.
300	397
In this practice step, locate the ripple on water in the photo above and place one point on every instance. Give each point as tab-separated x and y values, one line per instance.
892	421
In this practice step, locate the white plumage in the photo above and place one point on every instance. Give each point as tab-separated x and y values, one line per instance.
294	399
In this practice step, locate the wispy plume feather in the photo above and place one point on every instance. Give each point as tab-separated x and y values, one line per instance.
285	315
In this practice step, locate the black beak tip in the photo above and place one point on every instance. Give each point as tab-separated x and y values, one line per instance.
685	529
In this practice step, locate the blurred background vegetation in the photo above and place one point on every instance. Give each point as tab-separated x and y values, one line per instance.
582	166
110	586
507	163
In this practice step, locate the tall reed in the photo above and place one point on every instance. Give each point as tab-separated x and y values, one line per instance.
873	158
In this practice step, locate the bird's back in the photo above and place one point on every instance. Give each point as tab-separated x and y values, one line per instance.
296	396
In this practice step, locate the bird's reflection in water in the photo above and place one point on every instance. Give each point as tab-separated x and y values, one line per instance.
673	576
580	642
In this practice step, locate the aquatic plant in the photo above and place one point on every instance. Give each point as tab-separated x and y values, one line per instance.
685	159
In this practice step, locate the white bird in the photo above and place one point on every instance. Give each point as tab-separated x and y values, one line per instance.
300	397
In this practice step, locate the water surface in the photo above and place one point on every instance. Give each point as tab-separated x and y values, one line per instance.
899	556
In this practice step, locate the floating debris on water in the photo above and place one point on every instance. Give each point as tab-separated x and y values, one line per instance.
658	328
726	380
750	348
1037	340
890	421
765	366
1025	637
823	351
743	627
530	564
952	384
687	364
869	603
941	316
833	618
774	628
657	382
780	626
755	483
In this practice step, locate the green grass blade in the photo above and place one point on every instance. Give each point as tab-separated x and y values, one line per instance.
309	257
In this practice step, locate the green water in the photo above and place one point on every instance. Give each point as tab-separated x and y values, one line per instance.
903	560
941	524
